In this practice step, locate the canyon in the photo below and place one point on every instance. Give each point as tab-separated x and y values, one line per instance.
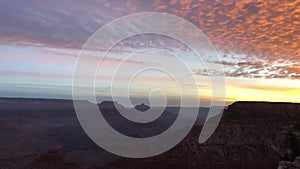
45	133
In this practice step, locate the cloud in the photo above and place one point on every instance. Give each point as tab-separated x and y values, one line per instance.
268	30
53	23
258	68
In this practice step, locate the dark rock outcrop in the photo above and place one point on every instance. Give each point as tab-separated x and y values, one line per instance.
290	165
142	107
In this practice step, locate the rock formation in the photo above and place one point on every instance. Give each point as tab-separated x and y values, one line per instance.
250	135
290	165
142	107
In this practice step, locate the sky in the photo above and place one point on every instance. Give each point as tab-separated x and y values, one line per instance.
257	41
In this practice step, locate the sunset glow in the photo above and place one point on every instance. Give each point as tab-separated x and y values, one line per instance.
258	43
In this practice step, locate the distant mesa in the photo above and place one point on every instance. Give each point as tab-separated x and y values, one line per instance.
142	107
110	106
108	103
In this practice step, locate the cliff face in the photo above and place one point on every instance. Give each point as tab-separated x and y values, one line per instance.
257	134
257	123
241	112
251	135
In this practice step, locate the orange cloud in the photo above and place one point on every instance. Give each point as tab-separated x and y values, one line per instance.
254	27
